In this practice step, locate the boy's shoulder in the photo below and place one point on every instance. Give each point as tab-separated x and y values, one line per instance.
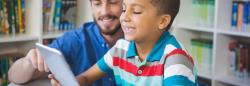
173	45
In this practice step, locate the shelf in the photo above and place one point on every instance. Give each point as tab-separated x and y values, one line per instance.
53	35
205	74
17	38
234	33
195	28
232	80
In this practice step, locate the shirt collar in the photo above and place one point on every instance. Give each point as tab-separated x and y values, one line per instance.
156	53
99	35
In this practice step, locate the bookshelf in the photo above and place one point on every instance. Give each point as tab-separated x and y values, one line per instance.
34	26
220	31
19	44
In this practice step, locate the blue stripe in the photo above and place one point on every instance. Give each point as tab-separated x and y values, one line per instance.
103	66
178	80
174	42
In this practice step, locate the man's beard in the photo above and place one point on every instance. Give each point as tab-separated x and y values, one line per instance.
108	32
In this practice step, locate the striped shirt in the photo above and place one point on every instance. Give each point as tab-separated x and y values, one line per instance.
167	64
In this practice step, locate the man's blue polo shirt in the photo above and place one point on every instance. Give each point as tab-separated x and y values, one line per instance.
82	48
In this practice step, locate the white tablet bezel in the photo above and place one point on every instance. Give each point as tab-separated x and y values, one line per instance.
57	65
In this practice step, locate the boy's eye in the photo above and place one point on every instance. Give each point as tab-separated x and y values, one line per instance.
137	12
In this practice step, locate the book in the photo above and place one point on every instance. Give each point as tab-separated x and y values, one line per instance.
239	59
12	17
59	15
1	16
23	16
202	53
241	15
234	14
5	23
204	12
5	62
248	25
68	15
245	16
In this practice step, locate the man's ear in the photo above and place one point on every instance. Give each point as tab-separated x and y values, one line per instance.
164	21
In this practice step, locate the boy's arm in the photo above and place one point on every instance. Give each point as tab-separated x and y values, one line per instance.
84	79
95	72
178	70
90	76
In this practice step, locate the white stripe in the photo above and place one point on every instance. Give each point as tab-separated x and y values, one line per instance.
122	44
169	48
179	69
108	59
138	80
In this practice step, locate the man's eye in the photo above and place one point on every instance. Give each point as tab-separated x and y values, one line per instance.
96	2
113	1
123	10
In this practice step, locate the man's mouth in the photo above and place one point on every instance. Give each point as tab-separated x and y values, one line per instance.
107	20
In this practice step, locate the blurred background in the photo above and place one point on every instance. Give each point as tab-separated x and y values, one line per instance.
215	32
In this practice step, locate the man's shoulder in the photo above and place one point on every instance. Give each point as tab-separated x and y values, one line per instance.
78	32
88	25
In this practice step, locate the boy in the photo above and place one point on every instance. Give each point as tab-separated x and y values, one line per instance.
150	55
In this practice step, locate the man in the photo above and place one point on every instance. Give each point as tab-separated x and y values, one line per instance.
82	48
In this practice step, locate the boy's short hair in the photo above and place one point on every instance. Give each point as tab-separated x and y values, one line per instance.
170	7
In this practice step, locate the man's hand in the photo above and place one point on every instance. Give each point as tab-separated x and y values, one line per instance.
37	61
53	80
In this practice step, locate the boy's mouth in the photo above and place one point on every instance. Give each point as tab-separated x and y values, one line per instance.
127	29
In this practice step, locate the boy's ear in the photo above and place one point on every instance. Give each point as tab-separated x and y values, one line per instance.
164	22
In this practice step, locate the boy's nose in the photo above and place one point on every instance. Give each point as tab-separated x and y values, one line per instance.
125	17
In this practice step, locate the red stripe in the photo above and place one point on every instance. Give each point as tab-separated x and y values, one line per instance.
156	70
182	52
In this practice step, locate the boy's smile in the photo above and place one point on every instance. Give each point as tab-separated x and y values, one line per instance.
128	29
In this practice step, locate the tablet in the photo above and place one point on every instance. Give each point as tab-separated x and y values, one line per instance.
57	65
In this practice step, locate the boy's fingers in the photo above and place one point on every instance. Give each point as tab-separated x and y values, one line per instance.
50	76
53	81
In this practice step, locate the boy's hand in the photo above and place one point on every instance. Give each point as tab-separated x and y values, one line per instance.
53	81
37	61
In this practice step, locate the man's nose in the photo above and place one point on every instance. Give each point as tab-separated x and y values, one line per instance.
105	9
